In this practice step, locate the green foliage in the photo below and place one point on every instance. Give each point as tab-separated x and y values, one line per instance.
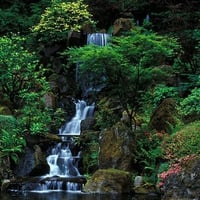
24	84
106	117
183	142
20	16
19	70
147	49
7	122
35	117
148	153
163	167
90	159
153	97
37	9
11	144
162	91
60	18
128	66
58	119
190	105
12	19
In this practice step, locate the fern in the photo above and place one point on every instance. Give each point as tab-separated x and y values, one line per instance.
11	144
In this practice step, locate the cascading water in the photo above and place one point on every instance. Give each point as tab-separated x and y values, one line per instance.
64	173
63	165
99	39
82	112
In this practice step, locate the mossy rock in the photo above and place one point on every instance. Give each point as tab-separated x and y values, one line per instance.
117	145
165	116
109	181
145	189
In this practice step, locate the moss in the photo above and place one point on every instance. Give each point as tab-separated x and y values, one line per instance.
116	148
164	116
109	181
145	189
183	142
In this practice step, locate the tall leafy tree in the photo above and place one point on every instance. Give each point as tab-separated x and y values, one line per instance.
19	72
23	85
128	66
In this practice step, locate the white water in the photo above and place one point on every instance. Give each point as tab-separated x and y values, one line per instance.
99	39
74	126
61	161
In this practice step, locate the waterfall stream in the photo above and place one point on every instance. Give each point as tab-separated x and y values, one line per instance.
64	173
82	112
61	160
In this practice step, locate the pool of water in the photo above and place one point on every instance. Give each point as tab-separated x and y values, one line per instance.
72	196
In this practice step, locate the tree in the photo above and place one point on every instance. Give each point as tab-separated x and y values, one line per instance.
128	66
20	71
59	19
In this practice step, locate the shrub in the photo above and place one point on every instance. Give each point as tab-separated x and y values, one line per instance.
190	107
183	142
11	144
59	19
7	122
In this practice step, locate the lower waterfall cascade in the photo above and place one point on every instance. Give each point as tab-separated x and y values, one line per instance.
64	173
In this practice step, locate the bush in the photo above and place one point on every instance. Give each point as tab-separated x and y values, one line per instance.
59	19
7	122
190	107
11	144
183	142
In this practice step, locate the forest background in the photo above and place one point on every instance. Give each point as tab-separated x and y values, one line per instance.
156	61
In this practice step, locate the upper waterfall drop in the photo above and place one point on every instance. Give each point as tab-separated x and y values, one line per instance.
100	39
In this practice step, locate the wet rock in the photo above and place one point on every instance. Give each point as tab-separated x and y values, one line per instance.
87	124
145	188
5	168
41	166
109	181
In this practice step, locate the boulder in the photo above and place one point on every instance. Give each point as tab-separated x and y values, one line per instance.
49	100
164	116
41	166
109	181
116	148
183	185
122	24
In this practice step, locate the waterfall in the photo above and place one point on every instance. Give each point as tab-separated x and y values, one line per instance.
64	173
74	126
63	164
100	39
92	87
